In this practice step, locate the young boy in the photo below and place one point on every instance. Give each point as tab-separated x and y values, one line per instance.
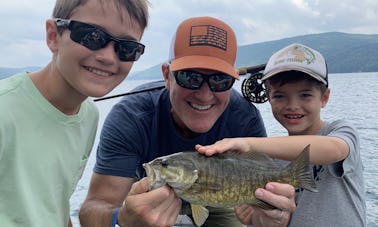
297	84
48	124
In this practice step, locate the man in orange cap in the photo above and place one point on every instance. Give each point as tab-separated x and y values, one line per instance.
197	106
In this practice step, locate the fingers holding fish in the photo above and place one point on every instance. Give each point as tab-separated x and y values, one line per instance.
223	145
269	218
281	215
244	213
139	187
159	207
281	196
170	202
165	205
169	209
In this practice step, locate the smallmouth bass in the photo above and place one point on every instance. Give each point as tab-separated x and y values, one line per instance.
225	180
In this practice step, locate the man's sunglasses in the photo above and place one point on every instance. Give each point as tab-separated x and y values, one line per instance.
217	82
95	38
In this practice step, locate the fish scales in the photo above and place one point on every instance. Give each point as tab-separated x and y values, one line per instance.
225	180
222	182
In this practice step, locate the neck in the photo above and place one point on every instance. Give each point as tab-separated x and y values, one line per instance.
55	90
182	129
185	132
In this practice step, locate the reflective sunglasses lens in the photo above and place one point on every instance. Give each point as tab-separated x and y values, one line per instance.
88	36
188	79
129	50
219	83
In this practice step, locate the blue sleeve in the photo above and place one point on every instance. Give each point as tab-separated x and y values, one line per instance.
124	138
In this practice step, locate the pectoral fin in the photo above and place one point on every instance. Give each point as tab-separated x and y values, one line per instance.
200	214
262	204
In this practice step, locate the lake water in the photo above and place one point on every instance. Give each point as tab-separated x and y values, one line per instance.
354	97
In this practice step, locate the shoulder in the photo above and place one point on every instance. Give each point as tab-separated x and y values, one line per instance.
242	118
241	105
10	83
144	98
338	127
139	107
91	109
343	130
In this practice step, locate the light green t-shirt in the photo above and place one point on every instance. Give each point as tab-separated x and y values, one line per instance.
43	153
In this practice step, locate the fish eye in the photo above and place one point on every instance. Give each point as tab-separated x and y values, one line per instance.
164	163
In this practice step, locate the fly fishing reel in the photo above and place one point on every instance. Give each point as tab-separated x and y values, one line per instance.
253	89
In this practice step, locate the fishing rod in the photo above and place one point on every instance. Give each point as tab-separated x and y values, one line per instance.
251	69
252	87
132	92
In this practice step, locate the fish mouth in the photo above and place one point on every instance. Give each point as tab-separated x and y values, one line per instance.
154	179
149	171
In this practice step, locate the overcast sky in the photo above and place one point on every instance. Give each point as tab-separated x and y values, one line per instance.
22	35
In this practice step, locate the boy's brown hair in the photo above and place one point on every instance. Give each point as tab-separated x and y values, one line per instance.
293	76
137	9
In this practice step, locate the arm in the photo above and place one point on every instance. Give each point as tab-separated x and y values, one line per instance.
138	207
323	150
280	196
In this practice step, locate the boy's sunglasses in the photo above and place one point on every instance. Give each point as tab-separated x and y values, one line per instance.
95	38
217	82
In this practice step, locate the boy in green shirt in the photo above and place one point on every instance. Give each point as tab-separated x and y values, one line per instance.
48	124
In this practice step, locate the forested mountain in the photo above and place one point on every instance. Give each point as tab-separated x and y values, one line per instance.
344	53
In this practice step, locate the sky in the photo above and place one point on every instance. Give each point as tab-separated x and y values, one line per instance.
22	26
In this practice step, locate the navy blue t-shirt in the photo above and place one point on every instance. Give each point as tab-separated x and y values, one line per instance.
140	128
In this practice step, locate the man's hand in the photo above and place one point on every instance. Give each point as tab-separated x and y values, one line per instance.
279	195
159	207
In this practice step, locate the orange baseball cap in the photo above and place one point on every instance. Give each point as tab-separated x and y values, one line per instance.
204	43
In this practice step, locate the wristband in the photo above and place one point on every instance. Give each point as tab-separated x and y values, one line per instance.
115	218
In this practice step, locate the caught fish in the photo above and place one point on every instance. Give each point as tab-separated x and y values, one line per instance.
225	180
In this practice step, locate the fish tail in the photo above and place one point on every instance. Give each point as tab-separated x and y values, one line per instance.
300	169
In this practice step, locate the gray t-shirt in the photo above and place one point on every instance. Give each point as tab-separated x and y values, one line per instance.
341	197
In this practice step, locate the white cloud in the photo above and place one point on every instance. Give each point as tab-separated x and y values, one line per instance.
23	21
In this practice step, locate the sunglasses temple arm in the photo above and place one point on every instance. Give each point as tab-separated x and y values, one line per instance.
131	92
251	69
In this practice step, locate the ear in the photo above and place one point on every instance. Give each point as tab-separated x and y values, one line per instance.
165	71
325	97
52	36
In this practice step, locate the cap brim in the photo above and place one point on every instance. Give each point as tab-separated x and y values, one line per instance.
293	68
203	62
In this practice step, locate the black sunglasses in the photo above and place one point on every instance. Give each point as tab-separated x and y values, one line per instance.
95	38
217	82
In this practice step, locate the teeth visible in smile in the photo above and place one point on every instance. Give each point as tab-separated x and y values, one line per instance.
293	116
98	72
198	107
